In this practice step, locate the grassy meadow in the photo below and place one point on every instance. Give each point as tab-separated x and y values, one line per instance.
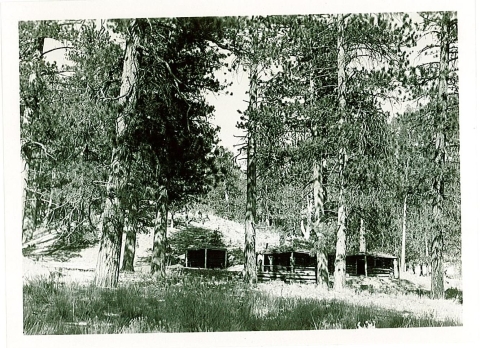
215	301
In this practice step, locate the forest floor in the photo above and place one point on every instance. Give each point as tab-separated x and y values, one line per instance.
408	296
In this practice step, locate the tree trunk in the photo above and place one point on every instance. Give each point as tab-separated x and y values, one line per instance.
309	227
172	221
24	197
48	212
107	270
437	278
318	212
437	275
403	267
362	242
108	261
340	256
129	249
250	274
159	250
426	245
340	262
227	201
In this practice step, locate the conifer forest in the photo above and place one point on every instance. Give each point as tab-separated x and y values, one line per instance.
342	174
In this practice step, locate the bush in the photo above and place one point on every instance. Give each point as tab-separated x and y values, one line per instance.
455	294
194	237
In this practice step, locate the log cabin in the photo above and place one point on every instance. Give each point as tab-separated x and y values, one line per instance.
368	264
300	265
290	266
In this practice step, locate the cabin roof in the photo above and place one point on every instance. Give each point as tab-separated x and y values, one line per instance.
374	254
206	247
275	252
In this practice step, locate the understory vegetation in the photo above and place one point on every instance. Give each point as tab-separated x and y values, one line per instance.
204	302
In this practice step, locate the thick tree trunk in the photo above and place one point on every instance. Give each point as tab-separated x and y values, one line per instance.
159	250
437	275
322	277
108	261
340	262
437	279
129	248
318	212
107	270
403	267
250	274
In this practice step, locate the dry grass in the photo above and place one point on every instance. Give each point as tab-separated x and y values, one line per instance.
210	301
409	304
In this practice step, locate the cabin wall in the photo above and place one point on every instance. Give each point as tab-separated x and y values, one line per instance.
380	266
355	265
291	267
279	266
306	275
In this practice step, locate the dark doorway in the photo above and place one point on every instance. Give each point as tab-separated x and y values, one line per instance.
360	267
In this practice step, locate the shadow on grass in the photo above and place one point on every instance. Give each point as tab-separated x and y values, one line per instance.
60	250
189	303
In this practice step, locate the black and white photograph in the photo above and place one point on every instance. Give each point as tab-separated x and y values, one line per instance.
274	171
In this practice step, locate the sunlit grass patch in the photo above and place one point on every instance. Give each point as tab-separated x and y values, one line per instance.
192	303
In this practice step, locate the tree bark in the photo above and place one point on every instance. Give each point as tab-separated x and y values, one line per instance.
362	242
340	256
107	269
48	212
129	249
309	227
437	277
340	261
318	212
403	267
159	250
25	173
250	274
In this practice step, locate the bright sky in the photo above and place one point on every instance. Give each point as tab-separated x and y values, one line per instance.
226	106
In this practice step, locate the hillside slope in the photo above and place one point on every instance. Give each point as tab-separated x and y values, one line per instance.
80	264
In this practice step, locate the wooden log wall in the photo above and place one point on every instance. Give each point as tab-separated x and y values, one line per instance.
304	274
380	272
351	268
